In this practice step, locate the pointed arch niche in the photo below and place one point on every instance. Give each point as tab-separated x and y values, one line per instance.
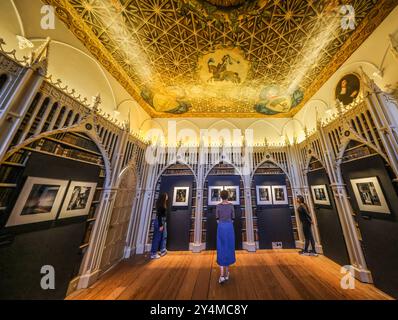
64	240
181	219
223	174
274	224
327	217
378	232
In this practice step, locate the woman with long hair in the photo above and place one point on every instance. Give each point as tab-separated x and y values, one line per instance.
159	240
306	222
225	214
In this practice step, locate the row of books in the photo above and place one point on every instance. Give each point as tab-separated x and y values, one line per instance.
5	196
273	171
222	172
10	174
192	236
67	152
357	153
76	140
19	157
294	222
177	173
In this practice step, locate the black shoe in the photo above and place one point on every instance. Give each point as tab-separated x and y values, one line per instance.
304	253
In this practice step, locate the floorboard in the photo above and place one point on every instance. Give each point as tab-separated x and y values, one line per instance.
264	275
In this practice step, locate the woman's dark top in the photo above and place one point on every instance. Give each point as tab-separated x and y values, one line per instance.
225	212
161	215
304	216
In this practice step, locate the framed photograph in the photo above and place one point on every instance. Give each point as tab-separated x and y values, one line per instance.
214	195
264	195
369	195
181	197
320	195
39	200
279	195
78	199
233	194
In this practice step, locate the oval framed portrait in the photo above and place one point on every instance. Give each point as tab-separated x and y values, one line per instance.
348	89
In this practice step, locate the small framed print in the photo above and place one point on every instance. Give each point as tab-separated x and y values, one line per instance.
181	197
78	199
214	195
369	196
264	195
320	195
233	194
39	200
279	195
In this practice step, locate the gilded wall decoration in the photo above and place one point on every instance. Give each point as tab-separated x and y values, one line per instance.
216	58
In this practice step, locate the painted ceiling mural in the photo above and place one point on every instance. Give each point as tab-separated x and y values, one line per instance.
221	58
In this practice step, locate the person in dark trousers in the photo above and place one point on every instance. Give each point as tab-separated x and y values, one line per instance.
225	214
306	222
159	240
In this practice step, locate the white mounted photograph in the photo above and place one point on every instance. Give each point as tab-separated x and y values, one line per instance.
320	195
214	195
279	195
369	196
264	195
233	194
78	199
181	197
39	201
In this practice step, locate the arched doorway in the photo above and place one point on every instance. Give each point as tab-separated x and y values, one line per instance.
331	233
371	188
223	176
179	182
274	220
65	170
122	214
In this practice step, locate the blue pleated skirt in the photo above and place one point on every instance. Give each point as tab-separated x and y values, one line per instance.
225	244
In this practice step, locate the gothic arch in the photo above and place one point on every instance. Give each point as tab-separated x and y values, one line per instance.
177	162
343	147
220	162
308	161
79	129
273	162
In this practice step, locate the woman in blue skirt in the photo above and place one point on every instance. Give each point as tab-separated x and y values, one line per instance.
225	215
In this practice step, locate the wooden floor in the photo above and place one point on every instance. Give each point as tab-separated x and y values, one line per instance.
265	275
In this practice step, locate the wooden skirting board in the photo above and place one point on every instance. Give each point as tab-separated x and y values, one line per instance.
264	275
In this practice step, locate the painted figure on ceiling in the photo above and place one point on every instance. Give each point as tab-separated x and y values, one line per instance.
169	100
273	100
220	72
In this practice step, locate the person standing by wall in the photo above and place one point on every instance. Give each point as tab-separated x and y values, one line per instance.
159	240
225	214
306	222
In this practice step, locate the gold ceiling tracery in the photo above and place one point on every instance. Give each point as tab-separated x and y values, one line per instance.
220	58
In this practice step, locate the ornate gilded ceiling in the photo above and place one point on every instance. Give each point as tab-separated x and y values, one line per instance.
221	58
